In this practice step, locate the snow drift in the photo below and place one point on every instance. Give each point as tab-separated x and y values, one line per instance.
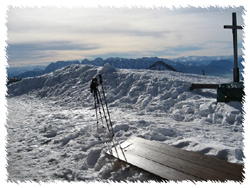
52	125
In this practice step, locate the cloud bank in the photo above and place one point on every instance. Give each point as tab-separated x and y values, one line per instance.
48	34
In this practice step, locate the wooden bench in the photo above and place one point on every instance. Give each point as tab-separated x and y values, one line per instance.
204	86
172	163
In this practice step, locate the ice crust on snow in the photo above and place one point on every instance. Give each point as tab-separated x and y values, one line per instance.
52	132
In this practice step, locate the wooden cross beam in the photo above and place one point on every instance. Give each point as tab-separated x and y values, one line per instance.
234	28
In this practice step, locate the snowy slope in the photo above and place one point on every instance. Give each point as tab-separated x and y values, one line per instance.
52	125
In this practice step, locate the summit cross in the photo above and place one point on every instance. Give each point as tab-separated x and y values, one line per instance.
234	28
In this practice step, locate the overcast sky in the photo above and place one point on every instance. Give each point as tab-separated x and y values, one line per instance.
45	35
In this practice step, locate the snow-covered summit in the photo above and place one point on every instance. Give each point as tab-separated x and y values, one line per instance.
52	124
146	90
107	69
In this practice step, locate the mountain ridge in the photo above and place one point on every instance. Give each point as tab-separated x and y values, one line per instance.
213	66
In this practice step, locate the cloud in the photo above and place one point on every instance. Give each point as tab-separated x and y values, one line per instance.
43	51
51	45
86	32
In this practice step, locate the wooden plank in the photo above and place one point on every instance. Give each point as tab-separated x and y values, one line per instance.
204	86
175	164
149	165
187	167
194	157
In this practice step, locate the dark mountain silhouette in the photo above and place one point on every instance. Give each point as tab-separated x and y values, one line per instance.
160	65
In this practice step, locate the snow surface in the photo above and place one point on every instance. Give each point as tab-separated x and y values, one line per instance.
52	131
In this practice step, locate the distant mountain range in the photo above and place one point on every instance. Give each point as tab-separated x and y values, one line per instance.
212	66
20	73
14	71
